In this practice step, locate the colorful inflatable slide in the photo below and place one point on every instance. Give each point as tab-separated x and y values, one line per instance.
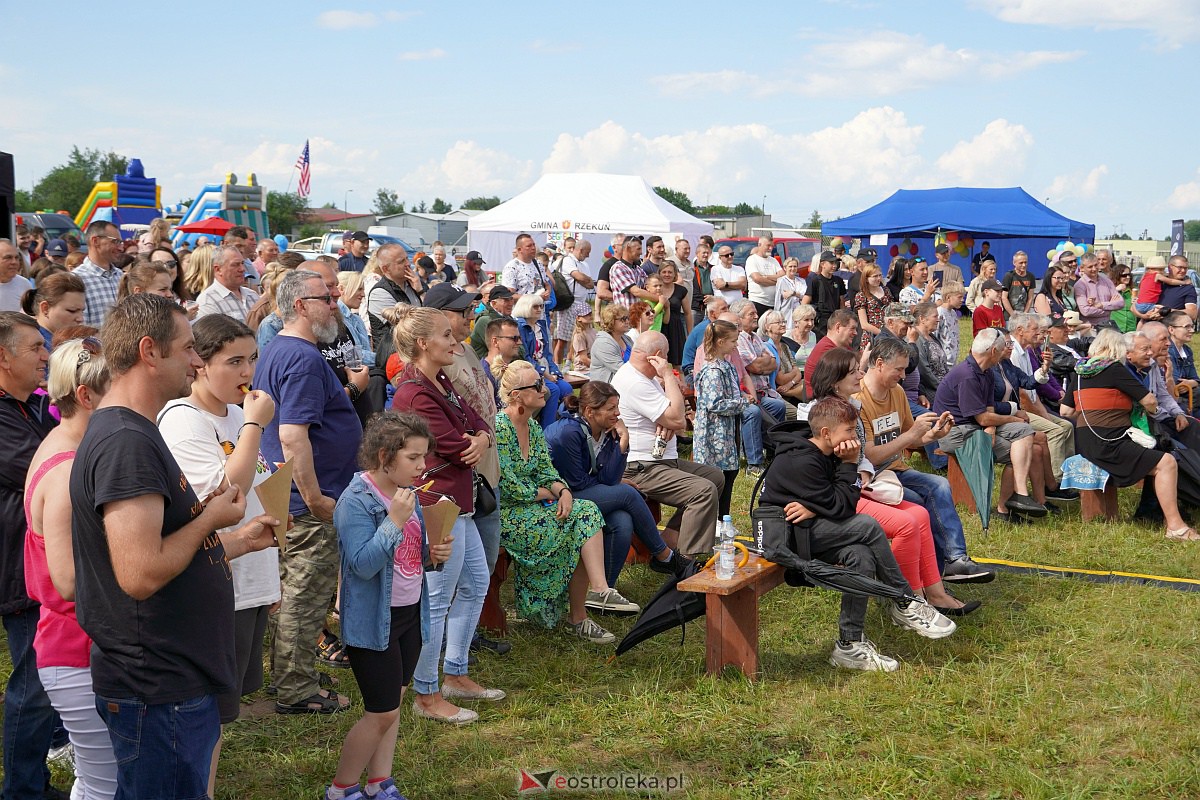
129	199
240	204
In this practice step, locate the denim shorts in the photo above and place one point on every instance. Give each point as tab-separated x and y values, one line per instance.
164	749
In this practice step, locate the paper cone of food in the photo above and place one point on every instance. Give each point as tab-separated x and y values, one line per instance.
439	519
275	494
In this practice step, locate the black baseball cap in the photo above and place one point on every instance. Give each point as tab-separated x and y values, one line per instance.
360	236
448	297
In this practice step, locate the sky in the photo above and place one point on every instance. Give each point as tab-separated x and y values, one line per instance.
827	105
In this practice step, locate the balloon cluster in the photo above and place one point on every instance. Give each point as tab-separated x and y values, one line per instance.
1078	249
905	248
958	243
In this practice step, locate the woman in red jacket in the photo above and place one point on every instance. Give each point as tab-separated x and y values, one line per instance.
426	343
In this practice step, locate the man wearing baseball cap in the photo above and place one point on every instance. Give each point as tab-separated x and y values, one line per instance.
355	259
497	305
988	313
56	251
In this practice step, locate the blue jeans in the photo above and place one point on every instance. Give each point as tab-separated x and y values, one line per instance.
936	461
489	534
162	750
933	492
558	389
625	513
29	719
456	595
752	434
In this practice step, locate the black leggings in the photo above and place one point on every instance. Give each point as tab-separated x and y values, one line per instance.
726	498
382	674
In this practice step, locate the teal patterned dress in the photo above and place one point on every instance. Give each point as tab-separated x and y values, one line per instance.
544	551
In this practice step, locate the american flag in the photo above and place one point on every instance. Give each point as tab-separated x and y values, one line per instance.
302	165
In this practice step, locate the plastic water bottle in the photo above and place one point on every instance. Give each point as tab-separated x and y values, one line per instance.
725	551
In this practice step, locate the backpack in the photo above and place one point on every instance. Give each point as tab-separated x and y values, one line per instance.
564	297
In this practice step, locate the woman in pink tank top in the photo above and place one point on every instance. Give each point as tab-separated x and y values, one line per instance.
78	379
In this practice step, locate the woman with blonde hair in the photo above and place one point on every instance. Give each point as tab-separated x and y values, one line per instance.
612	345
353	292
426	342
534	331
78	379
198	274
146	276
550	536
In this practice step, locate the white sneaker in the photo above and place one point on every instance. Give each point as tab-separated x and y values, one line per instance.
610	601
862	655
590	631
923	618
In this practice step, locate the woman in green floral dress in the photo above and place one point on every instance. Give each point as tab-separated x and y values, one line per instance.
550	537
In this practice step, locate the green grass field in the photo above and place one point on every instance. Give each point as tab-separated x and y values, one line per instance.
1056	688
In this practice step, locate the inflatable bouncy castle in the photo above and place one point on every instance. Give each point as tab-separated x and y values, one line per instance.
129	199
241	204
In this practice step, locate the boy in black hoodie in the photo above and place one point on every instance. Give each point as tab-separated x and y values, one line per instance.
817	460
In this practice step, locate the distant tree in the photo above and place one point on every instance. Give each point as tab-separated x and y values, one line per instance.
1144	236
67	186
421	208
440	206
187	201
480	203
387	203
815	220
284	210
716	210
309	229
331	205
1191	229
676	198
745	209
24	200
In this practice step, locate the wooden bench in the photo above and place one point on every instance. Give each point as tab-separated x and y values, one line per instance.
732	617
1098	502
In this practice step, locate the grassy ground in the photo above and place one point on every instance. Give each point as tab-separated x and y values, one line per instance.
1056	688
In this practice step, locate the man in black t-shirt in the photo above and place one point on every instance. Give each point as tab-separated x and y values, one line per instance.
603	290
825	291
1019	286
152	580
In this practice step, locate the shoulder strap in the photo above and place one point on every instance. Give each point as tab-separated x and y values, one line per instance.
47	465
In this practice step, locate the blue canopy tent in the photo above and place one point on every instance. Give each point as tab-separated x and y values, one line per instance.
1010	219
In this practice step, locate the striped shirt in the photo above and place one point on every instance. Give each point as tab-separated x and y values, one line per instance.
219	299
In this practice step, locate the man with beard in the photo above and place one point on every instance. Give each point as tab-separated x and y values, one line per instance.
316	427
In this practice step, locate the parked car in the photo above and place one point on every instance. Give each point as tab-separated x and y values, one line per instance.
331	244
784	248
56	226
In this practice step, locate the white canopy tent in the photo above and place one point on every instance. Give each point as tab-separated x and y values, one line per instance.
582	205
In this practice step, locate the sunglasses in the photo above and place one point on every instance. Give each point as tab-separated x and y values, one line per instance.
537	386
324	298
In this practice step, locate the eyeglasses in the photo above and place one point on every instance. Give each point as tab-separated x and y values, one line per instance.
510	338
725	255
537	386
1070	263
90	346
324	298
168	264
116	239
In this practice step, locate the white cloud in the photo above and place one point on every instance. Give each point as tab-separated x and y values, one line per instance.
1171	22
422	55
1076	184
469	169
1186	196
341	20
993	158
882	63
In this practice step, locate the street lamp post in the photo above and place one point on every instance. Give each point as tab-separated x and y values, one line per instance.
346	201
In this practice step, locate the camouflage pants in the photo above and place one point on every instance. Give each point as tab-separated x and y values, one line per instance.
309	568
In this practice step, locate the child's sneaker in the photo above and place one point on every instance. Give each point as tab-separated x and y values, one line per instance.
923	618
861	655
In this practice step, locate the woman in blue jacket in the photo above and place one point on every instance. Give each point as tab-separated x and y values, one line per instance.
588	449
529	312
385	607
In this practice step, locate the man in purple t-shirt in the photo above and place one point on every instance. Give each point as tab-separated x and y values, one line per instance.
967	392
318	430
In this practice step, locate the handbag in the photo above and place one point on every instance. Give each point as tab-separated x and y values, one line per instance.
485	497
885	488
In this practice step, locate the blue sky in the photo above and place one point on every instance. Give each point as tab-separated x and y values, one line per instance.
827	104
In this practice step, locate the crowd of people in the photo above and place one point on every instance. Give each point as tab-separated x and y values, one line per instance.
547	400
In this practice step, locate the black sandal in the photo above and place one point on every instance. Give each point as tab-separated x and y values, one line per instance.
325	701
331	651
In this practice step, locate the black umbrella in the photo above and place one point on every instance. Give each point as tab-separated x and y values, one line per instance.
668	608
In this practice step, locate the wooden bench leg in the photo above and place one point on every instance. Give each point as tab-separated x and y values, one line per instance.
960	490
1102	504
733	632
492	617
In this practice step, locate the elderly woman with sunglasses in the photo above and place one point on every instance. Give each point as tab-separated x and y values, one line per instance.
529	313
612	345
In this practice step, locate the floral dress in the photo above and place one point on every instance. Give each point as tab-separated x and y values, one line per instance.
719	406
875	307
544	551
